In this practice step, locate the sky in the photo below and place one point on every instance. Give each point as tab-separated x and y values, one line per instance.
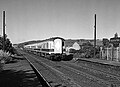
28	20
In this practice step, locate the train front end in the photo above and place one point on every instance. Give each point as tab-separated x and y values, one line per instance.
58	48
59	51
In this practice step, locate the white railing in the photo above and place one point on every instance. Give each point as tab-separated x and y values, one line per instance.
111	53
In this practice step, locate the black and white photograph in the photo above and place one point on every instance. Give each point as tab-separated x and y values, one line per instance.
59	43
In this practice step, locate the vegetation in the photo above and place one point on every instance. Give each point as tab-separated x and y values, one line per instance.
8	51
87	51
8	45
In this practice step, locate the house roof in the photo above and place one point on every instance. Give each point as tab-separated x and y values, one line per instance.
70	42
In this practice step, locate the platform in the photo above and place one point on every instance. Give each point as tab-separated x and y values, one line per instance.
108	62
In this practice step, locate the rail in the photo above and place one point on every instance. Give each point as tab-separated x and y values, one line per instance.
40	77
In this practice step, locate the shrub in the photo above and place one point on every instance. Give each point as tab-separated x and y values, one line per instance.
4	57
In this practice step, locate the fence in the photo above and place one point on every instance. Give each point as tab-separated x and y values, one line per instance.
112	54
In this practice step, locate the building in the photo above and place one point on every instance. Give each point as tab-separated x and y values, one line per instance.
115	41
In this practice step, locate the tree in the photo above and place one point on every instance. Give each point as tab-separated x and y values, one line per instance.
106	42
87	44
88	50
8	45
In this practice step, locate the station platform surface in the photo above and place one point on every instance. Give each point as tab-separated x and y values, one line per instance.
18	73
107	62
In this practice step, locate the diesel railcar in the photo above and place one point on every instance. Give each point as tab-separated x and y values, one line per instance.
52	49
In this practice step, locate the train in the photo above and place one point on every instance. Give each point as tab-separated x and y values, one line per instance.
52	48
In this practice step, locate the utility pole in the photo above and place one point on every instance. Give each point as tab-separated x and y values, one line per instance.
4	31
95	37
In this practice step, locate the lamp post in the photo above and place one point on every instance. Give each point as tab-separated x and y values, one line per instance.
95	37
4	31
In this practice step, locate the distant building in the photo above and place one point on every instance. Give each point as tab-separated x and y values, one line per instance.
115	40
72	44
76	46
78	43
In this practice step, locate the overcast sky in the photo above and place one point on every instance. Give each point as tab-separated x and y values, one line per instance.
42	19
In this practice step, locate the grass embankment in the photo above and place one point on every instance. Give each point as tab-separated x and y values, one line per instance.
6	57
18	73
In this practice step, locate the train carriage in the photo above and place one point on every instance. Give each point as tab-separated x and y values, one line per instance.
52	48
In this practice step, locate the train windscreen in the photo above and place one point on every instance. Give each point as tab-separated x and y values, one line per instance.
58	46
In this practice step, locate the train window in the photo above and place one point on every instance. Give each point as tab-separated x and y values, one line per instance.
39	46
44	45
51	45
47	45
63	43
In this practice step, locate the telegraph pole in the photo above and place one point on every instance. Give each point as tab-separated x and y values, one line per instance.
4	31
95	37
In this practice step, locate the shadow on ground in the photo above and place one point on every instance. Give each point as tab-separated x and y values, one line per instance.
11	78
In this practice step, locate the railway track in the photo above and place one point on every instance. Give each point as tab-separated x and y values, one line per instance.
64	74
54	77
108	77
111	69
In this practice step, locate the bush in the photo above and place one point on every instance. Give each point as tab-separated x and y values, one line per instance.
1	64
1	67
86	52
72	51
5	57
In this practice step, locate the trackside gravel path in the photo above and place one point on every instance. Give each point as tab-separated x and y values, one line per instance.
18	73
